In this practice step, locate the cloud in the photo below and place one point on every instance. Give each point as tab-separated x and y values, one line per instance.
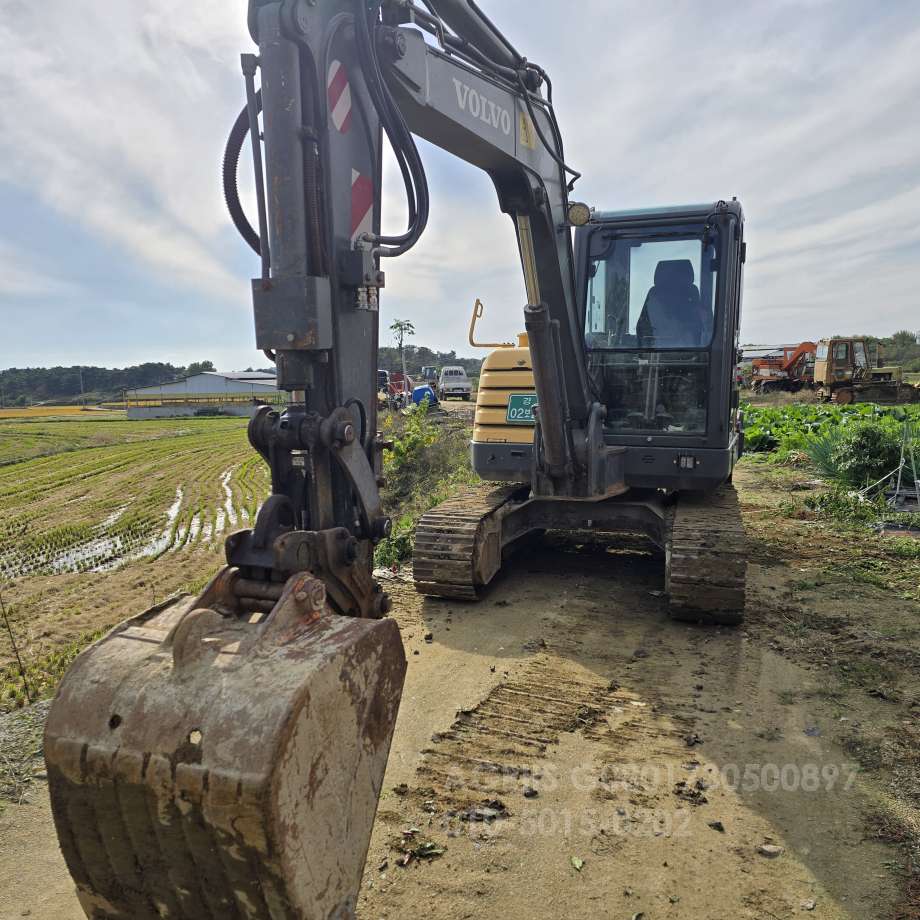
115	117
809	116
807	112
21	278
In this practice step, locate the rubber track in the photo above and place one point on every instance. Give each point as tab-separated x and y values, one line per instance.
447	541
707	559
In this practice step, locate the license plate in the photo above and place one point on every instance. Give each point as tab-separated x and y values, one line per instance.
520	408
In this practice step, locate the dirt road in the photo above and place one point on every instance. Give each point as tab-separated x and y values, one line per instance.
564	750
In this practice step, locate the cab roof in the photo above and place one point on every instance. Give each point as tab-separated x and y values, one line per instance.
680	212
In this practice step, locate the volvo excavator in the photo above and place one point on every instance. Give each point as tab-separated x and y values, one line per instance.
222	755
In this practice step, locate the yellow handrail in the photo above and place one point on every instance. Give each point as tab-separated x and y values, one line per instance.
477	315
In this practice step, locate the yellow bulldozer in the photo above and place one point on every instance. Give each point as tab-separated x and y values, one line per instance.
845	374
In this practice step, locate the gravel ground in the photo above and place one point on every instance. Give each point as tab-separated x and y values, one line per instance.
21	759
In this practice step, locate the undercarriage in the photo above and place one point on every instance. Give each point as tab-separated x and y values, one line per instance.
460	546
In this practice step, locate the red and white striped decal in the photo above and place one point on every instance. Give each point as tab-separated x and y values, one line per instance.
362	205
339	94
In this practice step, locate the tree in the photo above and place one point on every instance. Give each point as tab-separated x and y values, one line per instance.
199	367
402	329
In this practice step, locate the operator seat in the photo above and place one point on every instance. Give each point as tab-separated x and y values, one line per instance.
673	315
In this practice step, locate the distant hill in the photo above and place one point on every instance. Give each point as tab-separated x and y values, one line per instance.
71	385
62	385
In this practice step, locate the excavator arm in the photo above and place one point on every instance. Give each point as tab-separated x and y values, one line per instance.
493	117
349	70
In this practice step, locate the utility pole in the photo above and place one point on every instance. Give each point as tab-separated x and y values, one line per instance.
82	392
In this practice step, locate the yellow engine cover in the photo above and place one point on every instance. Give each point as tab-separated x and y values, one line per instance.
505	372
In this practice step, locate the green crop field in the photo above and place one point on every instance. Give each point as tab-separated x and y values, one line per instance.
28	438
100	518
768	428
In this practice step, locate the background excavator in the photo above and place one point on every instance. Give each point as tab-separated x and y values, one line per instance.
787	368
222	755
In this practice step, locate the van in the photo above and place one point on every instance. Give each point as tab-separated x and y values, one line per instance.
454	382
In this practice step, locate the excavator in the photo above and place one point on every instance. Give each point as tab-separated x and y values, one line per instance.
787	368
222	755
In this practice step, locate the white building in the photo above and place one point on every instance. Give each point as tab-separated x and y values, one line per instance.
206	393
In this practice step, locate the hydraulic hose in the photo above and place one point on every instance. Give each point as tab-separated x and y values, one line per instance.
401	140
234	148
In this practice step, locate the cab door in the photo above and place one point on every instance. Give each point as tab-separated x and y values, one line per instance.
842	353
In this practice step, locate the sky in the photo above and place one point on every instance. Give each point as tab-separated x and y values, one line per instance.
115	247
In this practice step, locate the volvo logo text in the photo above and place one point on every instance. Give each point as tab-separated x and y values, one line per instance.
484	109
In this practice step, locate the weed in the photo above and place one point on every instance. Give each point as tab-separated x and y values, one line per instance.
867	752
858	455
830	693
428	464
901	547
864	672
790	508
863	577
845	507
808	584
43	674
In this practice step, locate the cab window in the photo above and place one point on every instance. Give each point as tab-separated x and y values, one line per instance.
652	292
859	354
841	351
649	323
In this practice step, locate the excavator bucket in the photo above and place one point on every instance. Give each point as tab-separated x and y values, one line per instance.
222	756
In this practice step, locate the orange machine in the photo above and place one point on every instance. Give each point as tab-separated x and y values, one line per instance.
790	368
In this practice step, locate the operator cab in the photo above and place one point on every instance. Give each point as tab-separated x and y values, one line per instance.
661	293
660	300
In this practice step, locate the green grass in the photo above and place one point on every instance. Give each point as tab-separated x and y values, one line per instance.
90	509
42	674
155	489
27	439
902	548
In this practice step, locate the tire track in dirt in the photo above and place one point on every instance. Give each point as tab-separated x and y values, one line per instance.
502	738
621	722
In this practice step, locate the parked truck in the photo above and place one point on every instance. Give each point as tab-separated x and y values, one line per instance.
453	382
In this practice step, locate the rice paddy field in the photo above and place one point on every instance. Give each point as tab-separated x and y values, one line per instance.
100	518
58	412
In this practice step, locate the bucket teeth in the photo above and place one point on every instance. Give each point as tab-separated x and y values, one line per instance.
202	767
